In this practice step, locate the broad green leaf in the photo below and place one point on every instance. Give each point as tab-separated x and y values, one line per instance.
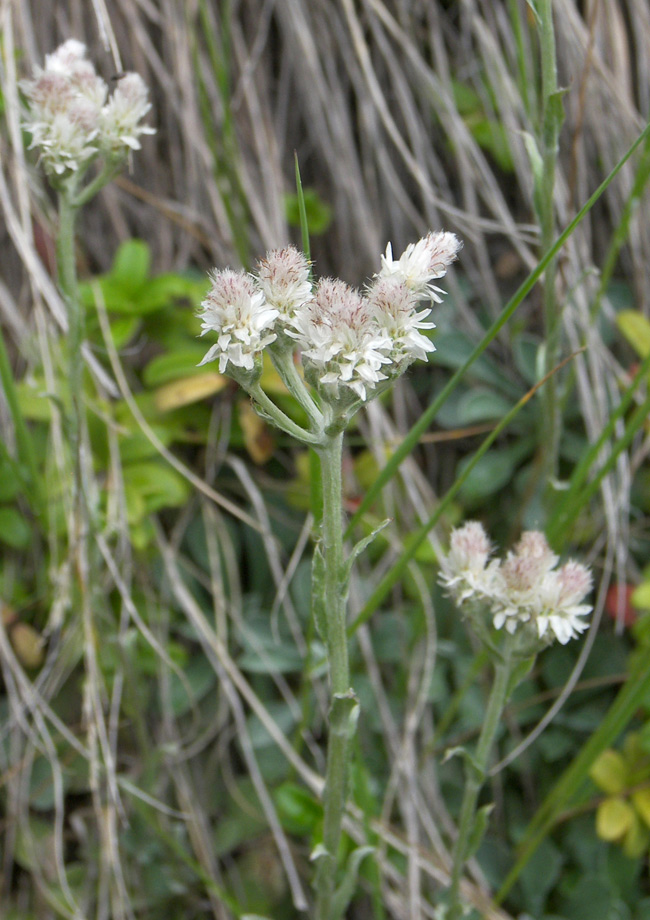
614	818
636	329
34	400
271	659
10	484
174	364
123	329
284	717
150	486
173	289
298	810
317	211
131	264
199	679
492	472
479	405
14	529
609	772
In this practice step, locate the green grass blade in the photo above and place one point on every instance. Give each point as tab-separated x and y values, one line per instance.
302	211
559	526
416	432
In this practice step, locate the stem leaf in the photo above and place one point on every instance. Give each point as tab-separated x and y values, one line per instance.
346	889
357	549
318	592
479	829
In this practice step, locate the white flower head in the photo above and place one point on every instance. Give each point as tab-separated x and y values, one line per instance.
236	311
465	572
394	307
68	59
561	594
342	345
423	262
68	116
526	594
283	277
121	118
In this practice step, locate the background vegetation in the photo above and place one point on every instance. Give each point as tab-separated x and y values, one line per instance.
161	739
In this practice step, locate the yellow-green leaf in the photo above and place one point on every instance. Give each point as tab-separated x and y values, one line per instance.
609	772
636	839
641	596
614	818
188	390
641	800
636	329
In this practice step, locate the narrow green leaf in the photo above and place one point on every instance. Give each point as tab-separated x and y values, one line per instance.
478	831
345	892
302	210
318	605
358	548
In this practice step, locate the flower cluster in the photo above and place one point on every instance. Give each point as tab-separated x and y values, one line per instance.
525	592
71	118
351	342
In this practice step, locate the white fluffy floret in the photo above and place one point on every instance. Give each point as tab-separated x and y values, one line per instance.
283	277
237	312
423	262
394	307
341	343
121	118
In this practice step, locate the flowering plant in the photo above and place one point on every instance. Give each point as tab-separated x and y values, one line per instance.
517	606
353	344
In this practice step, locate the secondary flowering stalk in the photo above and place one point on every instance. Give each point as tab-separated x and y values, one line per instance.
517	607
352	346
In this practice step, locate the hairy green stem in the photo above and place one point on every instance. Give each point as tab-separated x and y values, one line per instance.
283	363
332	601
476	774
279	418
70	289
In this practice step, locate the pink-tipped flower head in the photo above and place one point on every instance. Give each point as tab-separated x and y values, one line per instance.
283	277
526	594
240	317
423	262
394	307
342	345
